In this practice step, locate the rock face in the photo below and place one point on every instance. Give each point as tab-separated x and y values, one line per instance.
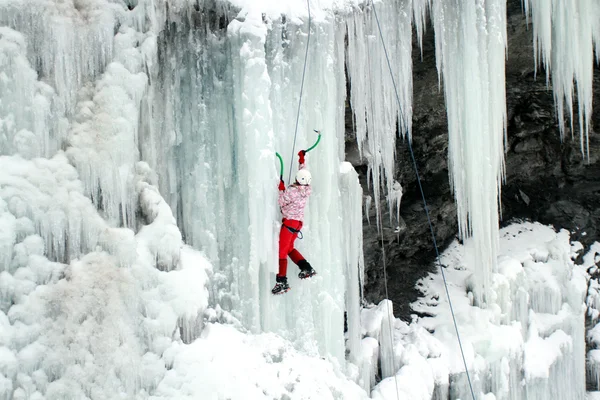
546	180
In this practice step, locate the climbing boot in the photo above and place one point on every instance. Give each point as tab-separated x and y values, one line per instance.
281	286
306	271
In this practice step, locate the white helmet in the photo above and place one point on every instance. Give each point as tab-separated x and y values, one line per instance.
303	177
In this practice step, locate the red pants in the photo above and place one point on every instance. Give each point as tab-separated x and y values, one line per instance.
286	244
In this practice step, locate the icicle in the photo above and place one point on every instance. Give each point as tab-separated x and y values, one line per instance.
420	8
470	48
395	199
564	35
377	114
368	203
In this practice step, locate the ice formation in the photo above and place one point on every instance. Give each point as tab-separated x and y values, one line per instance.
527	343
470	53
564	36
378	117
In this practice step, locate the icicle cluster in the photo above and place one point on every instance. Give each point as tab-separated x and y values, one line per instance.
470	48
68	43
564	35
470	51
26	104
378	117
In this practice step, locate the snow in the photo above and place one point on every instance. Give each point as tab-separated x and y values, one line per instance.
225	363
533	321
87	319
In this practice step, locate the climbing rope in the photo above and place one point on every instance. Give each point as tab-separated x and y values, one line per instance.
385	279
426	213
301	90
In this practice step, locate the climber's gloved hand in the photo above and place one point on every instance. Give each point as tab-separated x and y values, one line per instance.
301	155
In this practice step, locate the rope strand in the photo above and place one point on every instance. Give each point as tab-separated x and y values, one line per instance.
301	91
426	210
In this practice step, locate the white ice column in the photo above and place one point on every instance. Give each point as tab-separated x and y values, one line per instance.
351	192
255	163
313	312
470	49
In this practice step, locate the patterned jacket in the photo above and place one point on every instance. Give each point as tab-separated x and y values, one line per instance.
293	199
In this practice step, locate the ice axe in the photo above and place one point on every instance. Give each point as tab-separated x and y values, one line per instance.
316	143
280	165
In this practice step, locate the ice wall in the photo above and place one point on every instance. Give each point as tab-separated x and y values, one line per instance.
205	93
95	280
227	97
564	35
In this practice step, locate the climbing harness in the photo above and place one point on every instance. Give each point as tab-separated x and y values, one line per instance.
437	252
295	231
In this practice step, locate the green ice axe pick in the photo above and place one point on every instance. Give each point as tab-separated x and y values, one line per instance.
316	143
280	165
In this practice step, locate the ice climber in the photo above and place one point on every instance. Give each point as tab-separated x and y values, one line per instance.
292	201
